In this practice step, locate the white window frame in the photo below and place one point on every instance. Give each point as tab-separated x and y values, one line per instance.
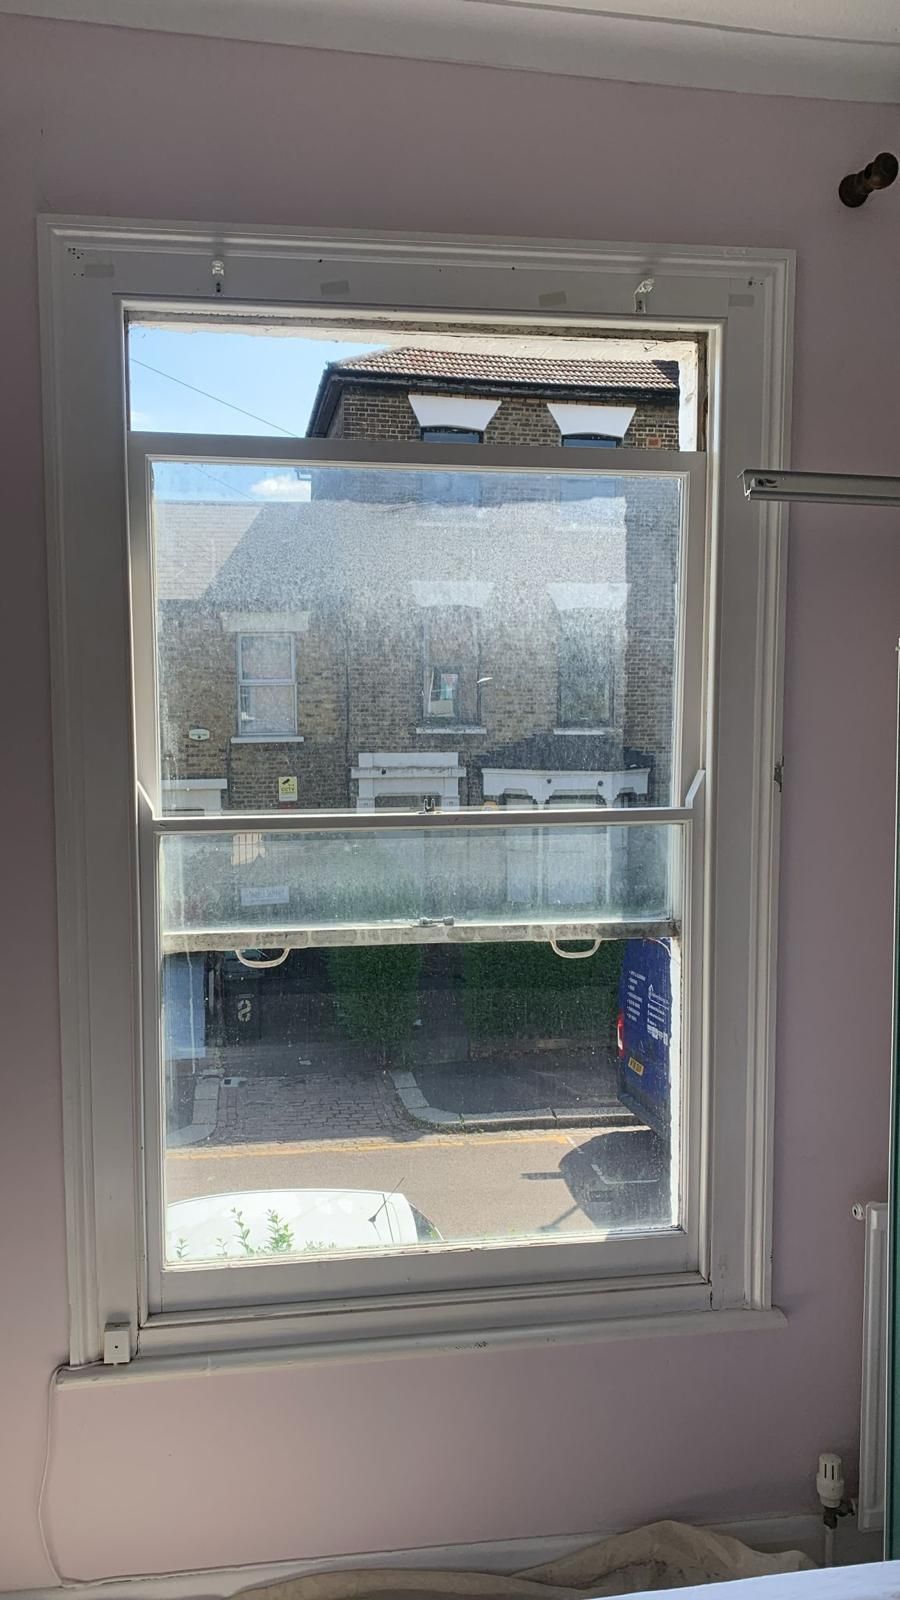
495	1271
265	683
92	272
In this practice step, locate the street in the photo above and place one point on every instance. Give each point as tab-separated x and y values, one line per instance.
469	1185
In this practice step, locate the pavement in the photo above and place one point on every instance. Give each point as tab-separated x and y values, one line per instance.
540	1089
306	1104
270	1092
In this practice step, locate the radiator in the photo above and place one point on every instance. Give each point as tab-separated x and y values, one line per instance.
873	1406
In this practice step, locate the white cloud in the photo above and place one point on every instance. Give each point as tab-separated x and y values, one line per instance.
141	420
282	486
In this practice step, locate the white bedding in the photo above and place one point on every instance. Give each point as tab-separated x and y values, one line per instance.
670	1556
877	1580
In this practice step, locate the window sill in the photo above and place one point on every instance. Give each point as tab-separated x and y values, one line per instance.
584	733
451	727
267	738
199	1352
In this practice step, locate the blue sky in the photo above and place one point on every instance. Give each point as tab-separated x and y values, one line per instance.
275	379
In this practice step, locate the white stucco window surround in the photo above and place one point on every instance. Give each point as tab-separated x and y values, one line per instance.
589	596
711	1269
453	411
202	795
383	775
611	422
447	592
265	621
542	786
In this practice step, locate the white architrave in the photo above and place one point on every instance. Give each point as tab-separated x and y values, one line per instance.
453	411
589	596
611	421
265	621
740	299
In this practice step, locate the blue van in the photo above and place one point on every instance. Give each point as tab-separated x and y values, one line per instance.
644	1032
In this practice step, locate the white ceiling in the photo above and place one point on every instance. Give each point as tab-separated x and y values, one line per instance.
836	49
862	20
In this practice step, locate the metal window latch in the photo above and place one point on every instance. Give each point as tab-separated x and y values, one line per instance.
778	775
642	293
217	273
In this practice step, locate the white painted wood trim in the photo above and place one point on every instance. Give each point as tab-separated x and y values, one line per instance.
89	270
85	1336
766	826
874	1395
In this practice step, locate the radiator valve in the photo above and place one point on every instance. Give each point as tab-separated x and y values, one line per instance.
830	1488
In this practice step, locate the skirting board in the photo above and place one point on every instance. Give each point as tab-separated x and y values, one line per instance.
801	1532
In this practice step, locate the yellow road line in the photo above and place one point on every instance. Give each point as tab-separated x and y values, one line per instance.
456	1141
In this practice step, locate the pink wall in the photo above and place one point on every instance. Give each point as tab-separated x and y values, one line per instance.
440	1449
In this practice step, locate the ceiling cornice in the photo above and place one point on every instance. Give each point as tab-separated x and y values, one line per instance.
572	37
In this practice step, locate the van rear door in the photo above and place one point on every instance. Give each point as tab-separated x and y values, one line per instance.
645	1032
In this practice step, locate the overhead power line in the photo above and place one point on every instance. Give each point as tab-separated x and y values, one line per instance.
231	487
217	398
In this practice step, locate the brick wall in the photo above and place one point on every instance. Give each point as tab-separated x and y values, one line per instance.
370	413
653	426
384	413
362	660
199	689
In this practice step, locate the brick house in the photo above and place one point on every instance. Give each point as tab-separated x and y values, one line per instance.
513	400
312	655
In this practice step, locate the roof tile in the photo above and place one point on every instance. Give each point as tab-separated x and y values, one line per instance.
470	366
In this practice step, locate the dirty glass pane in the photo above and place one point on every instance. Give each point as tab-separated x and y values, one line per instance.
398	883
267	708
363	1098
355	638
266	658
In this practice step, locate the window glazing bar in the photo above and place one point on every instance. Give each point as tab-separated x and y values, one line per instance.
370	821
240	449
365	935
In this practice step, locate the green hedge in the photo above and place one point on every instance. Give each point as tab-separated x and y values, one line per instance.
521	990
376	990
509	991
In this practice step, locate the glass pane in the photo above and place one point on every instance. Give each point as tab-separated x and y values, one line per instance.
585	673
266	656
377	588
363	1098
451	436
355	377
443	693
267	709
390	883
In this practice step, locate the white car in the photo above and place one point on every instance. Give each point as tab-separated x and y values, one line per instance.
260	1223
